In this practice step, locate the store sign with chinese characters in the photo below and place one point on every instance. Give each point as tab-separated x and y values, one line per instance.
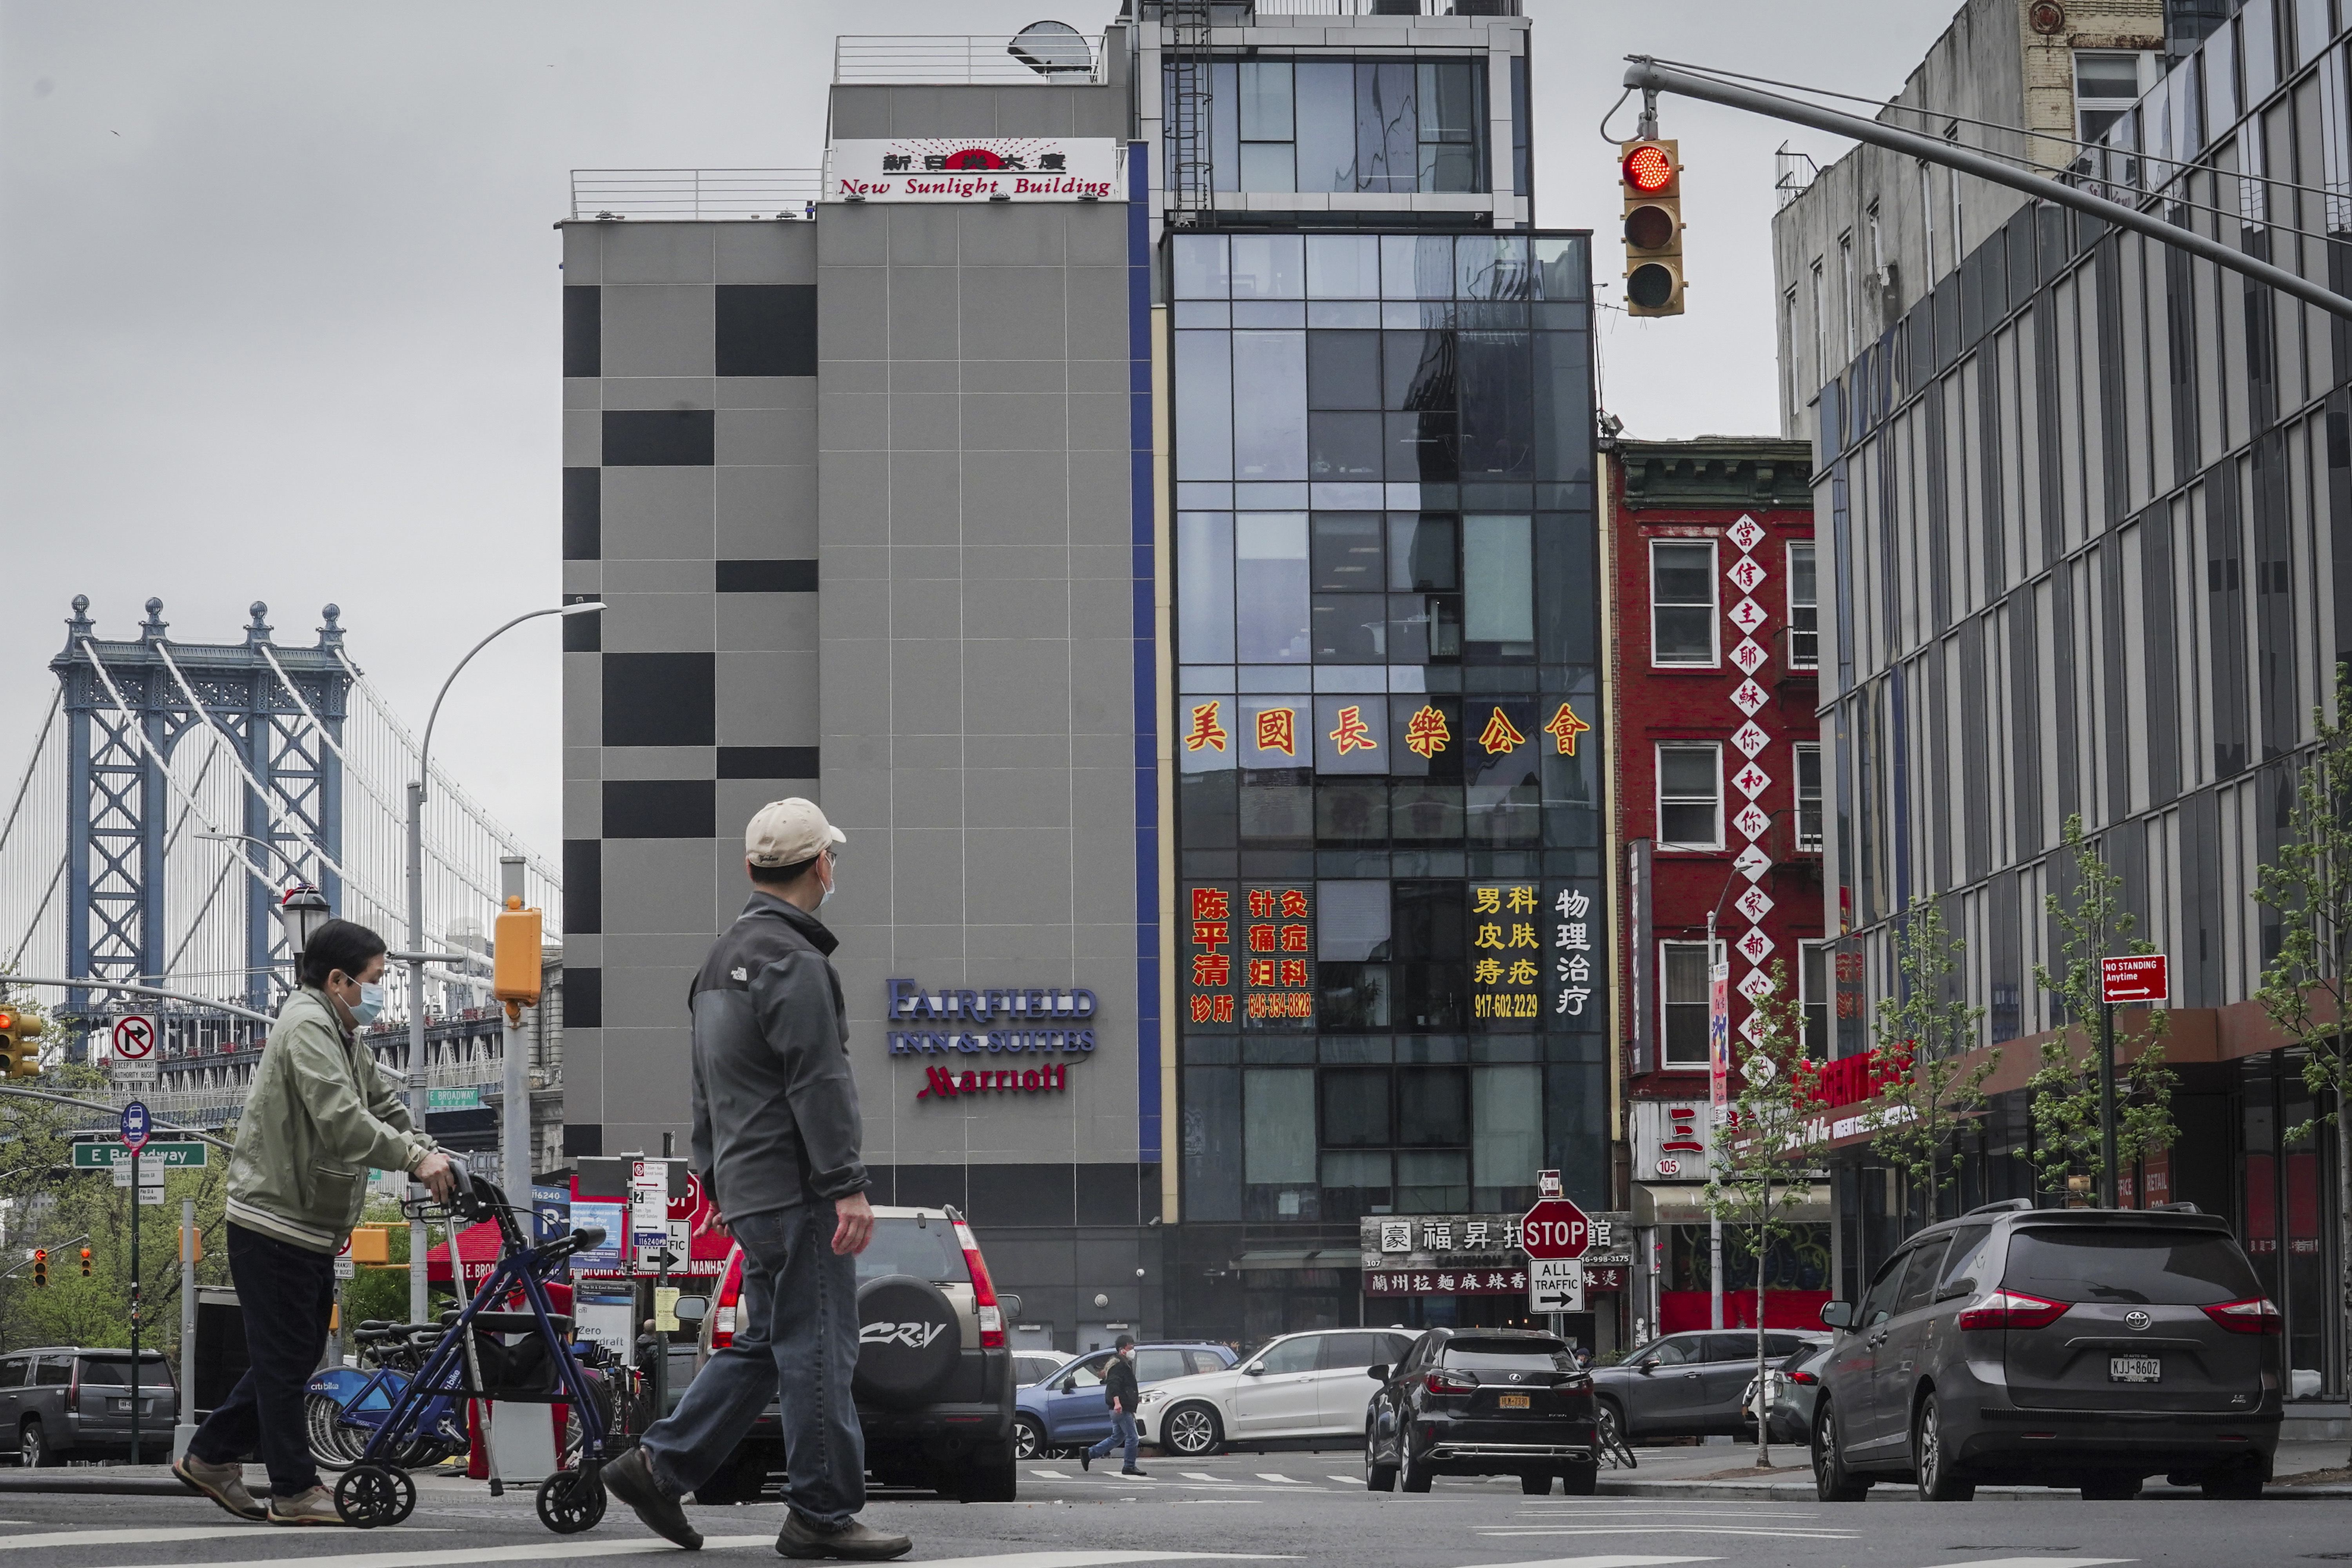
1505	953
1250	955
1670	1140
977	169
1462	1241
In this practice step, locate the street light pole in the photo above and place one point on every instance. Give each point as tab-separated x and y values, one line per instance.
418	1095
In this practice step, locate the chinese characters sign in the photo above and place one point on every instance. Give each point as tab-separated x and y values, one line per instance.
1505	952
967	169
1447	1283
1250	955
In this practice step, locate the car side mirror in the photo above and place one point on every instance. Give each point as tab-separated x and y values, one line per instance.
691	1309
1253	1370
1649	1366
1838	1314
1379	1373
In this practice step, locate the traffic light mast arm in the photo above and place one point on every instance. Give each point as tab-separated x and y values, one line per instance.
52	1251
111	1109
1652	77
90	984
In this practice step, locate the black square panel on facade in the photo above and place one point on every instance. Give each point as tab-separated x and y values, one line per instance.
661	438
583	990
583	634
766	329
584	884
660	808
767	762
584	1140
766	577
583	330
659	699
583	514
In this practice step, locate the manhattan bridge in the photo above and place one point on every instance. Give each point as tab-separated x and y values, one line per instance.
170	794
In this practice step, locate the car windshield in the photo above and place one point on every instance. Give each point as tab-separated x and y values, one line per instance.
927	1250
1508	1355
2113	1263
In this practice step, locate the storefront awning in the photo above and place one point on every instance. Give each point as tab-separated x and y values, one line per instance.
1319	1257
1665	1203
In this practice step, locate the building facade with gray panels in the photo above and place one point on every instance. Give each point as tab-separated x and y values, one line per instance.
2085	505
882	505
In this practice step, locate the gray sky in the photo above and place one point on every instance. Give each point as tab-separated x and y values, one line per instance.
278	292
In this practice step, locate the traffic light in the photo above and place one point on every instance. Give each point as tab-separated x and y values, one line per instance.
85	1262
17	1030
1652	174
515	977
41	1267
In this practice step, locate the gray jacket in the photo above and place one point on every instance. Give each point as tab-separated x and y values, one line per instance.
775	1107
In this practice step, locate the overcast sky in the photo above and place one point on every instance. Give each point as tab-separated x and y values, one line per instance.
278	311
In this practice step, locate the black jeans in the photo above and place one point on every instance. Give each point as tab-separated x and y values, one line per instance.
286	1296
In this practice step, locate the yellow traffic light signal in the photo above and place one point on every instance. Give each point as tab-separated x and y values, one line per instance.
17	1030
41	1267
514	967
1652	172
85	1262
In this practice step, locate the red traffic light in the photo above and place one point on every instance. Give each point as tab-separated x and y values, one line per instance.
1648	168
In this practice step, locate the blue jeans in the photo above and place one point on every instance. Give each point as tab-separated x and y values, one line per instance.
288	1295
1122	1430
796	1334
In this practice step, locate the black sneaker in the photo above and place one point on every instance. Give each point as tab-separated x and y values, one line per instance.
805	1538
631	1479
1085	1458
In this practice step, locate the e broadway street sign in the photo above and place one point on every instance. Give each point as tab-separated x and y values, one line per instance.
177	1155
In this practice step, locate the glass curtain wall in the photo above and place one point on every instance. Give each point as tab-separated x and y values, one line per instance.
1390	127
1389	806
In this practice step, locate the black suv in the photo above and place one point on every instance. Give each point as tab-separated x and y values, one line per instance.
935	1380
2086	1347
1482	1402
64	1402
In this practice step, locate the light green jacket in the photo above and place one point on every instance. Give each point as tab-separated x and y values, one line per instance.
319	1113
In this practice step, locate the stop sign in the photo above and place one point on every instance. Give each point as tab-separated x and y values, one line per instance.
1556	1228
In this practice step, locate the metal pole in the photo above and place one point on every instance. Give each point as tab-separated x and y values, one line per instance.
2107	1102
185	1427
514	1118
1714	1136
134	1304
1651	76
419	1097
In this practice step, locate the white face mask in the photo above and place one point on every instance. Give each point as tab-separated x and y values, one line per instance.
832	883
371	1003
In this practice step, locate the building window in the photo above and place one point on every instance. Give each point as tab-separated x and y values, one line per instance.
2107	81
1820	326
1952	184
1928	217
1846	284
1789	369
1804	609
1817	993
1682	1003
1389	127
1877	240
1690	795
1809	797
1682	602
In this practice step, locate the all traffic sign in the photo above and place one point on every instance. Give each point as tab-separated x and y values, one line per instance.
1556	1228
2136	977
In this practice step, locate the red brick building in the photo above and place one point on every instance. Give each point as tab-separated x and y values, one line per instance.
1713	681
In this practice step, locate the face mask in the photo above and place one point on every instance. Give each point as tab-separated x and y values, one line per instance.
370	1004
831	887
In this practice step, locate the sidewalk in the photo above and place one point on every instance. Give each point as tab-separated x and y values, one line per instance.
1727	1471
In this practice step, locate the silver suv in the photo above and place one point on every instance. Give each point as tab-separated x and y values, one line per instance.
65	1402
2081	1348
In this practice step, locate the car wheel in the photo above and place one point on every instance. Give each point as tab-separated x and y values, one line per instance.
2240	1481
1609	1423
2111	1489
1028	1438
987	1477
1378	1477
1940	1479
33	1447
1579	1480
1416	1475
1832	1482
1535	1485
1191	1431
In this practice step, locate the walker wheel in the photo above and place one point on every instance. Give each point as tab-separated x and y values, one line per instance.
572	1500
373	1495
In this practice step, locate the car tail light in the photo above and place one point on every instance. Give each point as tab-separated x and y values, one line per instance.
2254	1315
1442	1382
1806	1378
2013	1309
984	1292
730	1297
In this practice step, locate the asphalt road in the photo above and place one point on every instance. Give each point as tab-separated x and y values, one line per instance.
1299	1508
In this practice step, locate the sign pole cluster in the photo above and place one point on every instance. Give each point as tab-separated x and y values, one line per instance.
136	1130
1556	1235
2139	979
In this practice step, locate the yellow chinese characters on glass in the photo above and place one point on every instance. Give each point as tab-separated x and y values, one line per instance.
1205	731
1425	733
1353	734
1564	727
1503	976
1500	736
1277	731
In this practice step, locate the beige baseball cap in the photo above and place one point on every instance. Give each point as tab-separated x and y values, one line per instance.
787	832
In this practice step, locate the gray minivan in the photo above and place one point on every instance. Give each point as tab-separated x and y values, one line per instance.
61	1402
2081	1348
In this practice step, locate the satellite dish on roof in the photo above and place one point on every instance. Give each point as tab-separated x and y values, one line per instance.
1052	48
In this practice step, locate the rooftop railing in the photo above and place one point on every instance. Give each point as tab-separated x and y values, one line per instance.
996	57
695	195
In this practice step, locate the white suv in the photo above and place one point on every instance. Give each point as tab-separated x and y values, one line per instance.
1302	1391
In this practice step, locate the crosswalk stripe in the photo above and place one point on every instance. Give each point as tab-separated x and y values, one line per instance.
1053	1474
1285	1480
2036	1562
1606	1562
570	1546
152	1537
1511	1534
1196	1475
1346	1480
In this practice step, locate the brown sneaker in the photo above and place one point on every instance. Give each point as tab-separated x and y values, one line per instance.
224	1484
803	1537
631	1479
313	1507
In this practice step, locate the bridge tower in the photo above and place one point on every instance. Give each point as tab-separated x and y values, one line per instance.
128	705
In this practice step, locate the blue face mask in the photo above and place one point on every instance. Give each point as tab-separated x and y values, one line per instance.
371	1003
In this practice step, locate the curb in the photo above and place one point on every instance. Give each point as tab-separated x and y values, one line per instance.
99	1484
1787	1491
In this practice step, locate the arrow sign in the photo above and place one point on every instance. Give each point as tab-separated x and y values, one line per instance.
134	1038
134	1127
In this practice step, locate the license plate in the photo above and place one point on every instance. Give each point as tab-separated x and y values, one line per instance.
1512	1402
2134	1369
122	1406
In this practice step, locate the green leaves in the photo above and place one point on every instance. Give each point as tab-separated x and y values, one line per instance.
1776	1132
2304	990
1921	1036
